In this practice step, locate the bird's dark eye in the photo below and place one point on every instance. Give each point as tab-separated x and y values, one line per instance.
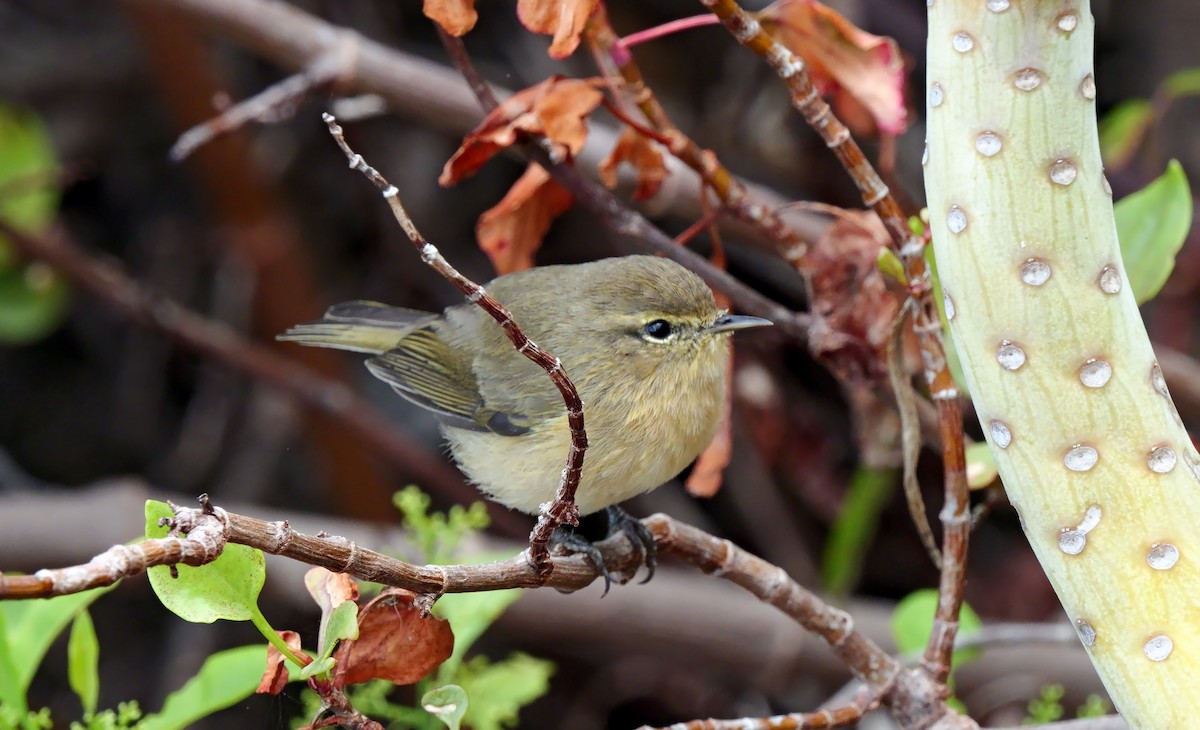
659	329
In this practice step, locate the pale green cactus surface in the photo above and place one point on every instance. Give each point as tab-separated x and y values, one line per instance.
1088	442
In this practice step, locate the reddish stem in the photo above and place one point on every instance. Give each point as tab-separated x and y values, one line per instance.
666	29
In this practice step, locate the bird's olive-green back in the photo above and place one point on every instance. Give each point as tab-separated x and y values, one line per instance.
591	316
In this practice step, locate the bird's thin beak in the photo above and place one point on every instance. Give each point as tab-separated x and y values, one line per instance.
731	322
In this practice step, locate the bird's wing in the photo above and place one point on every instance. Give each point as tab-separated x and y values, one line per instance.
428	372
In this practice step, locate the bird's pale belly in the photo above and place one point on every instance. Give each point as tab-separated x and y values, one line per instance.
522	472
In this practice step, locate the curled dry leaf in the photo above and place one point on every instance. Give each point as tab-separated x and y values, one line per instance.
640	153
511	231
457	17
395	642
563	19
275	676
856	67
557	108
850	299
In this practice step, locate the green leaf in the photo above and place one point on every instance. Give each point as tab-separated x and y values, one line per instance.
343	624
226	588
226	678
317	666
889	263
1152	225
447	703
83	661
1182	83
912	623
499	691
1123	129
27	168
854	529
469	615
33	302
981	466
27	629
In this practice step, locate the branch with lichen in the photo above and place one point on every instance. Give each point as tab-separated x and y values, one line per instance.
562	511
955	514
909	694
1074	406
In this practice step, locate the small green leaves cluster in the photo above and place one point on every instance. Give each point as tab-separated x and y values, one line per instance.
1047	706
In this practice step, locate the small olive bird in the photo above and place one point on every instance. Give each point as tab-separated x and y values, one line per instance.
641	338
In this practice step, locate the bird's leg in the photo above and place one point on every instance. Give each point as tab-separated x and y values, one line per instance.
620	521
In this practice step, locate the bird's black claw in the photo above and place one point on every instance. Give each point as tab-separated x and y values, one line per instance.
620	521
567	540
564	539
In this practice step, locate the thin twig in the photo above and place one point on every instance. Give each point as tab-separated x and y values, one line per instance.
910	430
955	513
273	104
820	720
562	511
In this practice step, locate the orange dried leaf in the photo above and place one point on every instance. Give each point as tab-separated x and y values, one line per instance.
457	17
563	19
395	642
275	676
511	232
557	108
843	60
640	153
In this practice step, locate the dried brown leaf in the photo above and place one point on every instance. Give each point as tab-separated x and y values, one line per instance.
275	676
850	297
641	154
511	231
563	19
395	642
557	108
457	17
856	67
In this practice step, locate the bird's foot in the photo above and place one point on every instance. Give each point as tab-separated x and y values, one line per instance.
568	540
620	521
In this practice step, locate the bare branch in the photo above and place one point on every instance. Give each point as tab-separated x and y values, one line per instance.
273	104
819	720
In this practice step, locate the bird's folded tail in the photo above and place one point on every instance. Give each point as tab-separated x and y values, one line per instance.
358	327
